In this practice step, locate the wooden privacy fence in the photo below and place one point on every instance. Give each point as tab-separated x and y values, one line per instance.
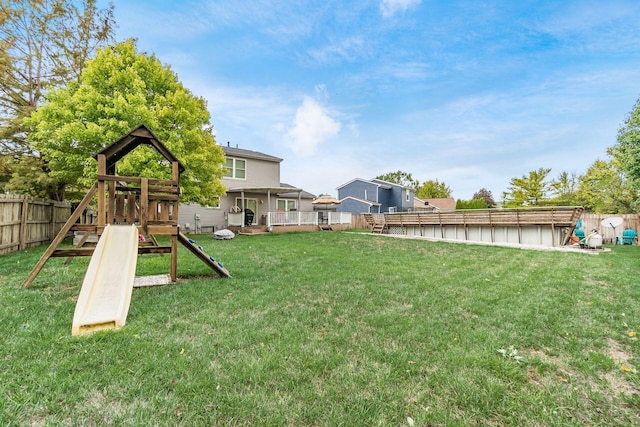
591	221
26	221
359	221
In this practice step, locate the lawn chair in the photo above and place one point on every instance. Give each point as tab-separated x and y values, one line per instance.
629	236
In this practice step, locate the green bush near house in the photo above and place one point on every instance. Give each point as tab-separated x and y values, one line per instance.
333	328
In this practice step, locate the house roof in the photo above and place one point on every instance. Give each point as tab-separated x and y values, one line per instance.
444	204
249	154
284	190
388	184
258	189
303	194
378	182
357	199
423	204
357	179
130	141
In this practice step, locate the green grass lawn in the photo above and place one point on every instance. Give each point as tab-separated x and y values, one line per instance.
329	329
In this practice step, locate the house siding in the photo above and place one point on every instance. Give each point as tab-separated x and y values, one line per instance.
384	194
354	205
359	189
407	205
208	216
259	173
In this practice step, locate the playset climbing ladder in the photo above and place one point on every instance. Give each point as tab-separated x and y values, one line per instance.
198	251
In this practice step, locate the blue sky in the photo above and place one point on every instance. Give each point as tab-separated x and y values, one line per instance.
471	93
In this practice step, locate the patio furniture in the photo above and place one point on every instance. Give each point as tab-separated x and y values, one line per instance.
628	237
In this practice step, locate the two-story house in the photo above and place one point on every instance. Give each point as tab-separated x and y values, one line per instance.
252	180
374	196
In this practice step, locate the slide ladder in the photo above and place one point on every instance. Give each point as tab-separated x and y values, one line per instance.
105	295
197	250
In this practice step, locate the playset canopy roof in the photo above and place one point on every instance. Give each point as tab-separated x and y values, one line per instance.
130	141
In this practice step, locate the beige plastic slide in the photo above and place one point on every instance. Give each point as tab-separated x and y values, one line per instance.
104	299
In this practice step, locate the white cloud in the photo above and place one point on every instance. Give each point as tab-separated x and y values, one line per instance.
311	127
390	7
348	49
321	92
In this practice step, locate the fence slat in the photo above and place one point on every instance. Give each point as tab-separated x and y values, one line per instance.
26	221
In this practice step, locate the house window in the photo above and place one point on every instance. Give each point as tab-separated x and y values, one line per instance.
235	168
408	196
216	204
286	205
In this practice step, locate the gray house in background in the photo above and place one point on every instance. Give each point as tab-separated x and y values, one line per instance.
253	184
374	196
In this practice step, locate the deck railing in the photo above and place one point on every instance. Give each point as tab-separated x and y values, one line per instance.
549	226
306	218
292	218
339	217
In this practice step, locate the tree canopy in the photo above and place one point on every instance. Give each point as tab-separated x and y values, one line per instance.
400	178
564	189
475	203
45	44
433	190
118	90
485	195
604	189
627	149
528	190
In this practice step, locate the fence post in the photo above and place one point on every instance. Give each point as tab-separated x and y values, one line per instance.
52	224
23	224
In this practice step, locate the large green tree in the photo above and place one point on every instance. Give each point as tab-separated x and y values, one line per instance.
44	44
433	190
564	189
627	150
604	189
118	90
528	190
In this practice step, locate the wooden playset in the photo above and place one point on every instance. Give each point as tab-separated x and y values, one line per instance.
148	203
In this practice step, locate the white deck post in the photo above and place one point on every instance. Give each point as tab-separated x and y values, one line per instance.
269	207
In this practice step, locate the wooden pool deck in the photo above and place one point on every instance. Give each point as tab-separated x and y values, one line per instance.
551	225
